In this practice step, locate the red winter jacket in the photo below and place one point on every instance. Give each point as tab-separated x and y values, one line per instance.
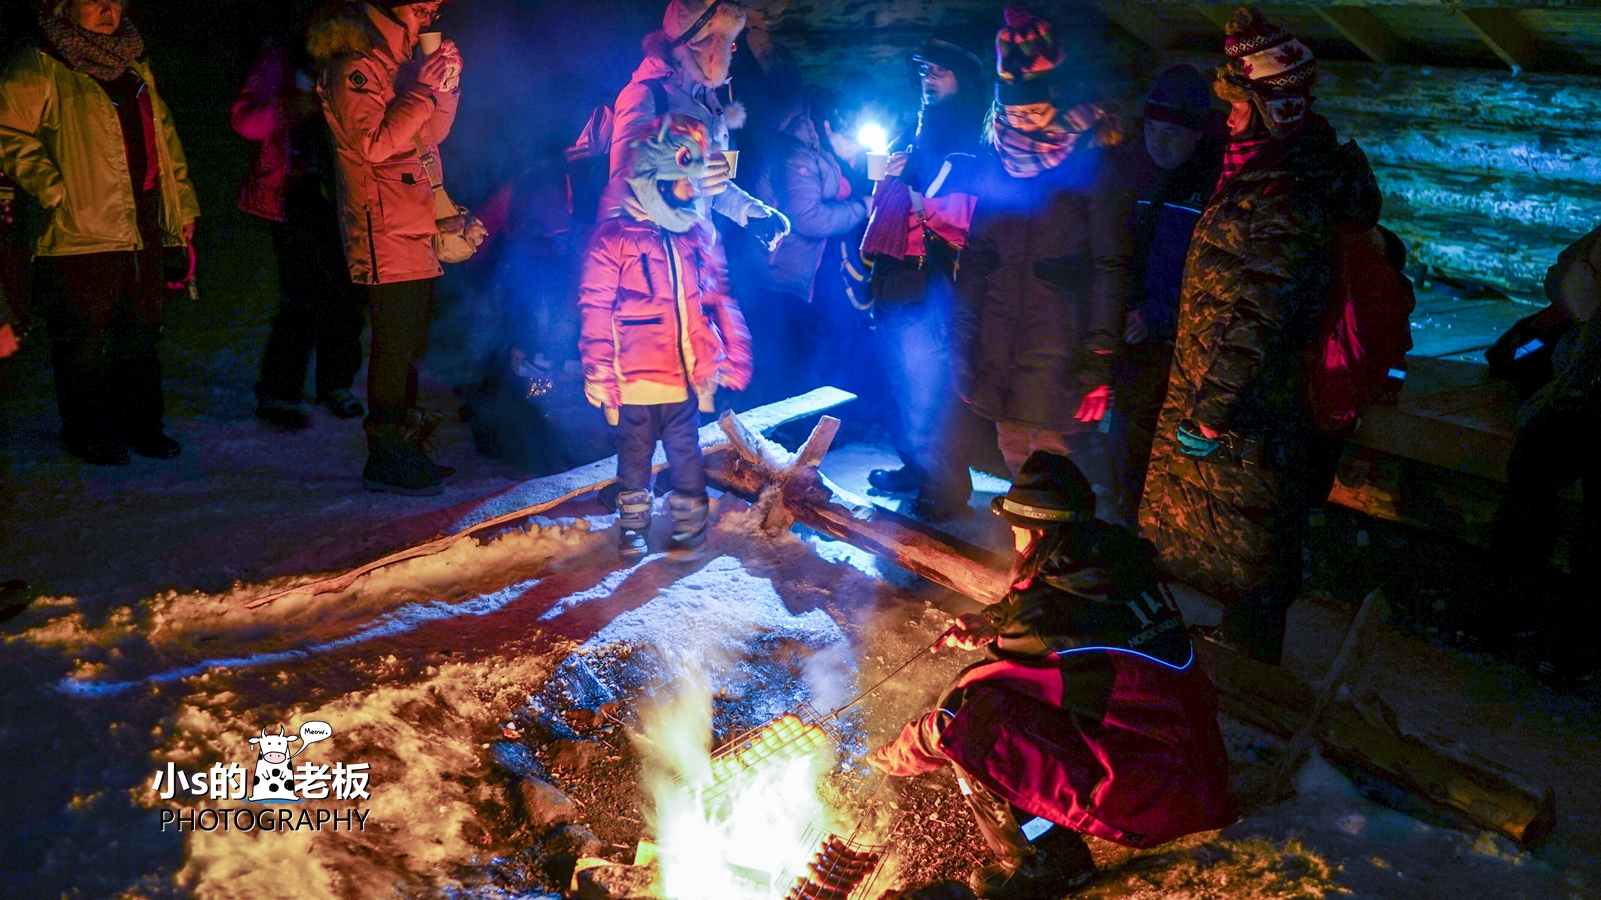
1073	723
655	306
379	115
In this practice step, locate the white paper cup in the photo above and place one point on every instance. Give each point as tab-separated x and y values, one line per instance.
430	42
876	164
732	158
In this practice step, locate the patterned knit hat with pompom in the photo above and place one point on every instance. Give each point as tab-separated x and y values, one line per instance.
1026	58
1271	63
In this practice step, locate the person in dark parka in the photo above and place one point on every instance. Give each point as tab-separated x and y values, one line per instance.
1089	716
1041	283
1237	463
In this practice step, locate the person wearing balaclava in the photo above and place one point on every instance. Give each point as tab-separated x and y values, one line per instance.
660	331
1183	163
685	64
1043	277
1237	462
913	241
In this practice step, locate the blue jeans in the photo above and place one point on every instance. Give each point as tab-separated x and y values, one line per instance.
676	425
917	354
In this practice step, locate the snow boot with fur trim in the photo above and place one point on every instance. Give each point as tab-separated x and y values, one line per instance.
633	522
689	525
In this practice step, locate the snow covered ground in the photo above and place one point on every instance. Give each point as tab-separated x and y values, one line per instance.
142	649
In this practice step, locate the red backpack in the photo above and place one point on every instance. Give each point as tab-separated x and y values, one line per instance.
1360	349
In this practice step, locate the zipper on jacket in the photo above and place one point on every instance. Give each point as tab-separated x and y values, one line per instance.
372	246
678	313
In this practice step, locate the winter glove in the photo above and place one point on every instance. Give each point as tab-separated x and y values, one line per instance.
767	225
603	394
1095	404
1192	443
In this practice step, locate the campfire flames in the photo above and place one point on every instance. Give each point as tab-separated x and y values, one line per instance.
733	825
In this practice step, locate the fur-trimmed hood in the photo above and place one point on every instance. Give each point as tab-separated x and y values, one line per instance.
352	28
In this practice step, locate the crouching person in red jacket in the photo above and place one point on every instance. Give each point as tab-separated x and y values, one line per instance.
660	332
1090	715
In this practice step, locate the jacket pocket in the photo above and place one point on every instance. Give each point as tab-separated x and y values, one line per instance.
647	345
405	199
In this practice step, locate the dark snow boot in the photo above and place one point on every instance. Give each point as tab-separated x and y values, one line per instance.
1056	865
689	525
633	523
396	467
894	481
153	443
96	450
394	464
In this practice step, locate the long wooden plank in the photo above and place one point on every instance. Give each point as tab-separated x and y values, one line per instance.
1366	735
543	494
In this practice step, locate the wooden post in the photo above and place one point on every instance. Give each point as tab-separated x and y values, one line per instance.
1501	31
1367	31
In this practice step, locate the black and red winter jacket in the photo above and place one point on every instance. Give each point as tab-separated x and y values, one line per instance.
1091	712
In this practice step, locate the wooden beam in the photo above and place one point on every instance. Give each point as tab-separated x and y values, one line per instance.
1367	31
1501	31
1139	22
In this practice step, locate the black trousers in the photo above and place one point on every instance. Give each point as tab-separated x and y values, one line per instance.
104	315
320	311
401	315
1139	385
913	306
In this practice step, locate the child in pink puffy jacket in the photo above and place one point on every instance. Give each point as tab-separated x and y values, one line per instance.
660	333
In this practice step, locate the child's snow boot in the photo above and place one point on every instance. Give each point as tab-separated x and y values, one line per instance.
633	522
689	525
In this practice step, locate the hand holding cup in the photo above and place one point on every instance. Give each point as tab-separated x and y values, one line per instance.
718	174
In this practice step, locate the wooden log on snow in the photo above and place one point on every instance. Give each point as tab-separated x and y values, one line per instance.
1363	735
815	502
543	494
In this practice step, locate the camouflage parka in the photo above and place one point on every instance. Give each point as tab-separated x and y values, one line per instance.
1255	285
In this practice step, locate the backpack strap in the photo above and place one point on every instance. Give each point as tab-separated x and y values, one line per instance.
658	93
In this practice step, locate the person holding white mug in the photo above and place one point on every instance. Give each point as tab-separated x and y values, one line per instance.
388	114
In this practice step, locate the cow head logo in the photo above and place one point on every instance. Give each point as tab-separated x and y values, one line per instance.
274	749
275	775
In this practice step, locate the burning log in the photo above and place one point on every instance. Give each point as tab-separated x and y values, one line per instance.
1363	732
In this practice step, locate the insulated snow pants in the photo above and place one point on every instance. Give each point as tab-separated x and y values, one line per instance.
914	326
677	426
1552	449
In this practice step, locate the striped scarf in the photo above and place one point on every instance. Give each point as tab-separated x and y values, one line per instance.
1025	154
101	56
